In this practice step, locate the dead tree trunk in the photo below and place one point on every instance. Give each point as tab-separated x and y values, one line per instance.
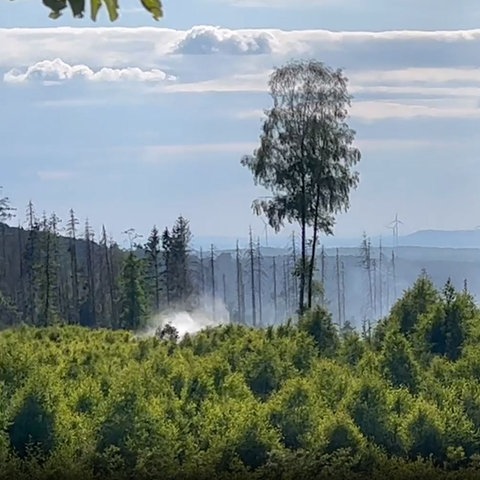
344	315
323	277
260	272
212	269
252	279
339	293
72	248
275	307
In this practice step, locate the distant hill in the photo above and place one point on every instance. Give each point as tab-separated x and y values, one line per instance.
443	239
421	238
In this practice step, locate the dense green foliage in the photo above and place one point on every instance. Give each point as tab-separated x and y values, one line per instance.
295	401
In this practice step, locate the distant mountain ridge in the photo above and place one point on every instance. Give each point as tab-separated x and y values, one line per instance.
443	238
420	238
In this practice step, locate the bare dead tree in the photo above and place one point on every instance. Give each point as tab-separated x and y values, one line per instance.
224	282
202	274
286	289
344	316
381	276
339	291
107	254
89	236
323	276
240	287
394	273
259	283
252	278
212	272
275	306
72	248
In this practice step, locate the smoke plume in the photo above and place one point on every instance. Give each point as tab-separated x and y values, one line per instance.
191	322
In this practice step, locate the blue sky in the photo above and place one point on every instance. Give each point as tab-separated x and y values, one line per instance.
136	123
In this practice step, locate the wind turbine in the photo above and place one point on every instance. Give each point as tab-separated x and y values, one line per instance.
132	236
265	224
394	226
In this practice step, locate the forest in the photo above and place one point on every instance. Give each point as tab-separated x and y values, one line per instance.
86	393
49	276
300	400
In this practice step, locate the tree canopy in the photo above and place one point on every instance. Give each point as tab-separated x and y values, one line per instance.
246	403
306	156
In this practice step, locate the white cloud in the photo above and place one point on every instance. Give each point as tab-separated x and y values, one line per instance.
58	71
393	74
208	40
254	114
162	153
394	144
417	75
73	103
146	47
256	82
378	110
415	91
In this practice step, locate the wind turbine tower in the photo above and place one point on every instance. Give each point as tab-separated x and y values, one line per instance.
394	225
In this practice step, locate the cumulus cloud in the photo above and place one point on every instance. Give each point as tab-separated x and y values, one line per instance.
58	71
208	40
392	74
145	47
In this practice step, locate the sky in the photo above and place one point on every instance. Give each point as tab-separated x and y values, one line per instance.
134	123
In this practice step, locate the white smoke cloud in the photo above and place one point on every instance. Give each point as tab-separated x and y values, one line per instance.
54	71
189	322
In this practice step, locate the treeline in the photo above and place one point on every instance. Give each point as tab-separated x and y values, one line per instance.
48	278
301	400
54	272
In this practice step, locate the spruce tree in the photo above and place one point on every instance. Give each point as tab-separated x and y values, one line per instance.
153	251
133	308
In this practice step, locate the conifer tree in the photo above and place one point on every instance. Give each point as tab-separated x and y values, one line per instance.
72	249
182	286
31	260
110	277
133	308
47	270
167	261
153	251
89	308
